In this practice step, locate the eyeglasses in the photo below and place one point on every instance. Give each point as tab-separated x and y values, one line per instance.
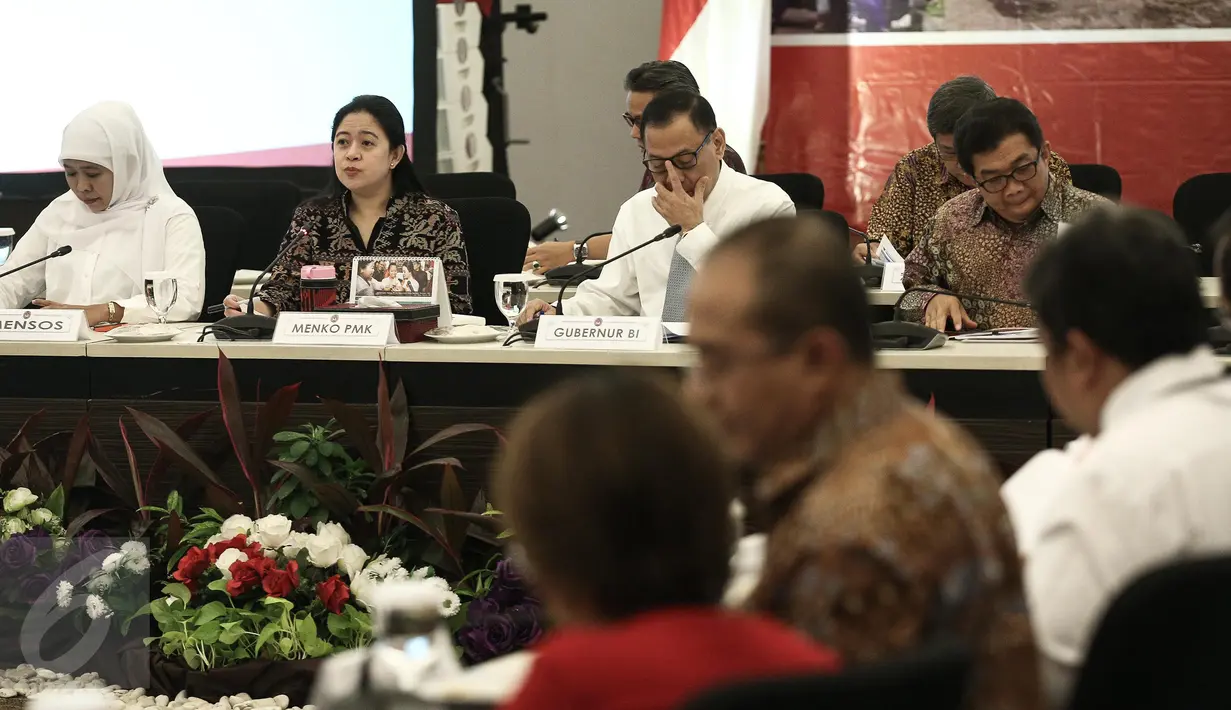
683	161
630	119
1021	173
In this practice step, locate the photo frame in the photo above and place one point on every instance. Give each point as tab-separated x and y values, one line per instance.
405	279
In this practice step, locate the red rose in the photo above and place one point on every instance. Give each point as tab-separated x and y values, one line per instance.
239	542
247	574
192	565
280	583
333	593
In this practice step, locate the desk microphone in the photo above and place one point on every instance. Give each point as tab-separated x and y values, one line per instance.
58	252
898	334
530	329
253	325
568	271
871	274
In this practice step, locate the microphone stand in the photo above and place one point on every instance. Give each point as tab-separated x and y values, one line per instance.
871	274
568	271
253	325
57	253
530	329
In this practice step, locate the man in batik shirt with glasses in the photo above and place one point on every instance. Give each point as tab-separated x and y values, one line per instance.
980	242
928	177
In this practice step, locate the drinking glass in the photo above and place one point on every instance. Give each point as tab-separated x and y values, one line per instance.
161	290
512	291
6	243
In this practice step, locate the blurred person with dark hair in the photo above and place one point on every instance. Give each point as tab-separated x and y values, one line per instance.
620	500
694	189
1221	233
641	85
1124	327
874	548
928	177
981	241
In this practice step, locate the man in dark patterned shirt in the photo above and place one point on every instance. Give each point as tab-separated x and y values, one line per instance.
642	83
874	549
928	177
981	241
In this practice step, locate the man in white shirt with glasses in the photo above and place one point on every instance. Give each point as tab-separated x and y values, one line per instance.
684	150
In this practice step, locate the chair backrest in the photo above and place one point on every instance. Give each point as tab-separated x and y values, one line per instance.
222	229
310	178
1198	204
806	190
932	679
266	206
1165	642
1100	179
496	230
447	186
41	185
20	212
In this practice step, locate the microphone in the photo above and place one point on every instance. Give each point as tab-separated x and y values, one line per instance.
871	274
57	253
568	271
259	326
529	330
899	334
556	221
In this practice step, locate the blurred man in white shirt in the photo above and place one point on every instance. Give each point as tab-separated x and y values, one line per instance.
1124	327
692	188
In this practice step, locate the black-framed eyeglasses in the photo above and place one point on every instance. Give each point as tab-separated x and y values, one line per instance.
630	119
1021	173
683	161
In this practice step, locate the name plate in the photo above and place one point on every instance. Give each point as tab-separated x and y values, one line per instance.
43	325
599	333
335	329
891	276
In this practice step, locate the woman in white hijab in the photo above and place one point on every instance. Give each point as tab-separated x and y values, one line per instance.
122	221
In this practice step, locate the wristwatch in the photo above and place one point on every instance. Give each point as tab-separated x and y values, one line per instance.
111	312
581	251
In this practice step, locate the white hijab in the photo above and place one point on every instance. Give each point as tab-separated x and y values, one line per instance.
133	227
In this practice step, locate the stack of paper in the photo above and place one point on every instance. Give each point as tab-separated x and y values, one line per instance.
1000	335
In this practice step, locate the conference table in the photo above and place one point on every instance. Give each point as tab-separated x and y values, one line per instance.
992	389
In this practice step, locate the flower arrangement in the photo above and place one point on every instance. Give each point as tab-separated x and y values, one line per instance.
118	586
503	616
258	589
33	547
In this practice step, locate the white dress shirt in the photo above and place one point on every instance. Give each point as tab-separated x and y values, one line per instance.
1154	486
637	284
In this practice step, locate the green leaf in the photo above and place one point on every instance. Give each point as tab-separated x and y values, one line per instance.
311	457
278	601
265	635
305	628
161	613
338	625
285	644
230	636
300	507
146	608
218	585
175	502
326	466
192	659
208	633
209	612
285	436
55	502
178	591
298	449
318	648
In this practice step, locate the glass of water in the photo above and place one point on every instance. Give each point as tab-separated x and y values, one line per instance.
6	243
161	290
512	291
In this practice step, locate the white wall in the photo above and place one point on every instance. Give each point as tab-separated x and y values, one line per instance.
566	94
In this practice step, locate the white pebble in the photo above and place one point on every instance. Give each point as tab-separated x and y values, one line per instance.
22	687
46	673
309	707
7	693
242	697
283	701
224	703
146	701
182	695
162	701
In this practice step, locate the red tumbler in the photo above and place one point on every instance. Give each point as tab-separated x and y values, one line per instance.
318	287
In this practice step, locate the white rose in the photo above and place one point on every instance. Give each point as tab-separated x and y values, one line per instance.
101	583
294	544
334	532
14	526
228	558
41	516
137	564
323	551
236	525
216	538
353	558
112	562
272	530
17	499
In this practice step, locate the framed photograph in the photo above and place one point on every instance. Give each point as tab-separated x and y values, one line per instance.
405	279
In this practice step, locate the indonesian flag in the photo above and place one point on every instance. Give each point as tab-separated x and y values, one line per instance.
726	45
